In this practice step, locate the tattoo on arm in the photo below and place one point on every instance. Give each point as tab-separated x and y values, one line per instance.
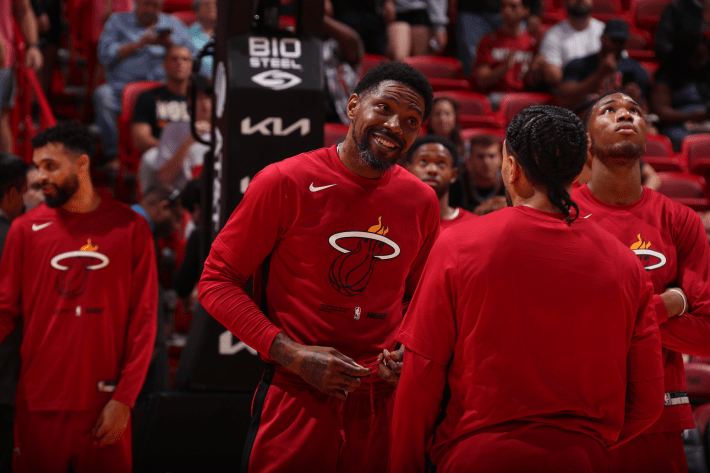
314	367
279	350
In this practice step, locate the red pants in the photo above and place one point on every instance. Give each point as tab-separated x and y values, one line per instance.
534	449
296	428
48	442
660	452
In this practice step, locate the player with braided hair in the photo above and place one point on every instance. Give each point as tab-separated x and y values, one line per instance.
669	240
538	381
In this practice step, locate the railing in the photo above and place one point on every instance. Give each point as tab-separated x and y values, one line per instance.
21	121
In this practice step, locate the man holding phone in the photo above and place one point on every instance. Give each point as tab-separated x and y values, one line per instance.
609	70
132	47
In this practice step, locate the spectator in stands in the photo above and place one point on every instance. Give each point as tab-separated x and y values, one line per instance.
477	18
368	17
418	29
186	278
433	159
587	78
10	11
132	48
33	195
444	122
342	52
202	30
179	156
49	24
157	107
681	90
576	37
481	187
12	185
678	18
504	62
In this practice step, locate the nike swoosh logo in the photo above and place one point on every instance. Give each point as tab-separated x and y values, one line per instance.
316	189
37	228
587	216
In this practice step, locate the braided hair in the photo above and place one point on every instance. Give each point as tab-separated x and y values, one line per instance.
550	144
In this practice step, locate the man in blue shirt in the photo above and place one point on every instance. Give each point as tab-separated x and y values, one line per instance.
202	30
132	47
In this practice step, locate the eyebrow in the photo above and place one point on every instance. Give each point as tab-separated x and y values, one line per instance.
614	100
394	99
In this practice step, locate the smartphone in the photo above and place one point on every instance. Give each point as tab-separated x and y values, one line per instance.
163	31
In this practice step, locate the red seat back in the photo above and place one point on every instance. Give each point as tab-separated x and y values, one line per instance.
369	61
695	147
437	67
128	155
170	6
681	184
647	13
514	103
187	17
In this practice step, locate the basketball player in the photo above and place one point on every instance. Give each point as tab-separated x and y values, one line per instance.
346	235
540	324
81	273
669	240
433	160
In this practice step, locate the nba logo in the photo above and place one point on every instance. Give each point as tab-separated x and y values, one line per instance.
357	313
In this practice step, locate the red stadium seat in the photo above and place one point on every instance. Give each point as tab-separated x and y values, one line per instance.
640	46
659	154
468	133
515	102
685	188
474	109
187	17
695	150
647	13
170	6
553	12
333	133
444	73
651	67
607	9
369	61
128	156
697	376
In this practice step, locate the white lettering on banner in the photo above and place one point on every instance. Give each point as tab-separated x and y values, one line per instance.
217	181
275	53
276	80
263	127
227	347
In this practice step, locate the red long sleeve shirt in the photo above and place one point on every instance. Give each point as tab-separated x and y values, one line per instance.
86	287
538	322
344	253
669	240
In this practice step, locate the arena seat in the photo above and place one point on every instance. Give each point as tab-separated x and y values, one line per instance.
369	61
647	13
515	102
170	6
697	376
444	73
333	133
659	154
553	12
651	67
468	133
187	17
475	109
128	156
695	150
604	10
685	188
640	46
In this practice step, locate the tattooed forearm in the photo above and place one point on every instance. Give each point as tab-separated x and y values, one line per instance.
281	351
314	367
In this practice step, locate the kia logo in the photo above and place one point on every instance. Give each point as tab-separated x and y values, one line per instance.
276	79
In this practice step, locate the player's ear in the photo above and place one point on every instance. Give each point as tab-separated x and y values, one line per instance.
589	145
454	174
82	163
353	102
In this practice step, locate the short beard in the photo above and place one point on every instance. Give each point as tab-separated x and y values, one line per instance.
625	150
64	193
368	155
577	12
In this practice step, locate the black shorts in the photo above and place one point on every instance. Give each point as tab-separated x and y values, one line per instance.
414	17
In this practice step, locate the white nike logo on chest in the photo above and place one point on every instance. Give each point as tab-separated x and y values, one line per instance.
316	189
36	227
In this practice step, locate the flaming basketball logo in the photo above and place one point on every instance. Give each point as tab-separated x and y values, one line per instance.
351	271
71	281
641	248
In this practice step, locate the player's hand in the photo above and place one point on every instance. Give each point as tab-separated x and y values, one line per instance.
390	365
33	58
675	303
328	370
111	424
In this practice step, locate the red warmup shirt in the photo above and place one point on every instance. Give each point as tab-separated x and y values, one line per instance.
538	322
461	217
670	242
345	251
494	49
86	287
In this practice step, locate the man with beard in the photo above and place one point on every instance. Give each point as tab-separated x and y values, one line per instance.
433	160
545	365
344	234
576	37
81	272
670	242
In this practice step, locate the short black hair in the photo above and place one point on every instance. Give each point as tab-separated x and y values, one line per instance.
550	144
587	114
399	72
191	195
13	173
423	140
75	137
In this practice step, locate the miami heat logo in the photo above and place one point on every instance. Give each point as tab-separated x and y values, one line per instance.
74	267
649	258
351	271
